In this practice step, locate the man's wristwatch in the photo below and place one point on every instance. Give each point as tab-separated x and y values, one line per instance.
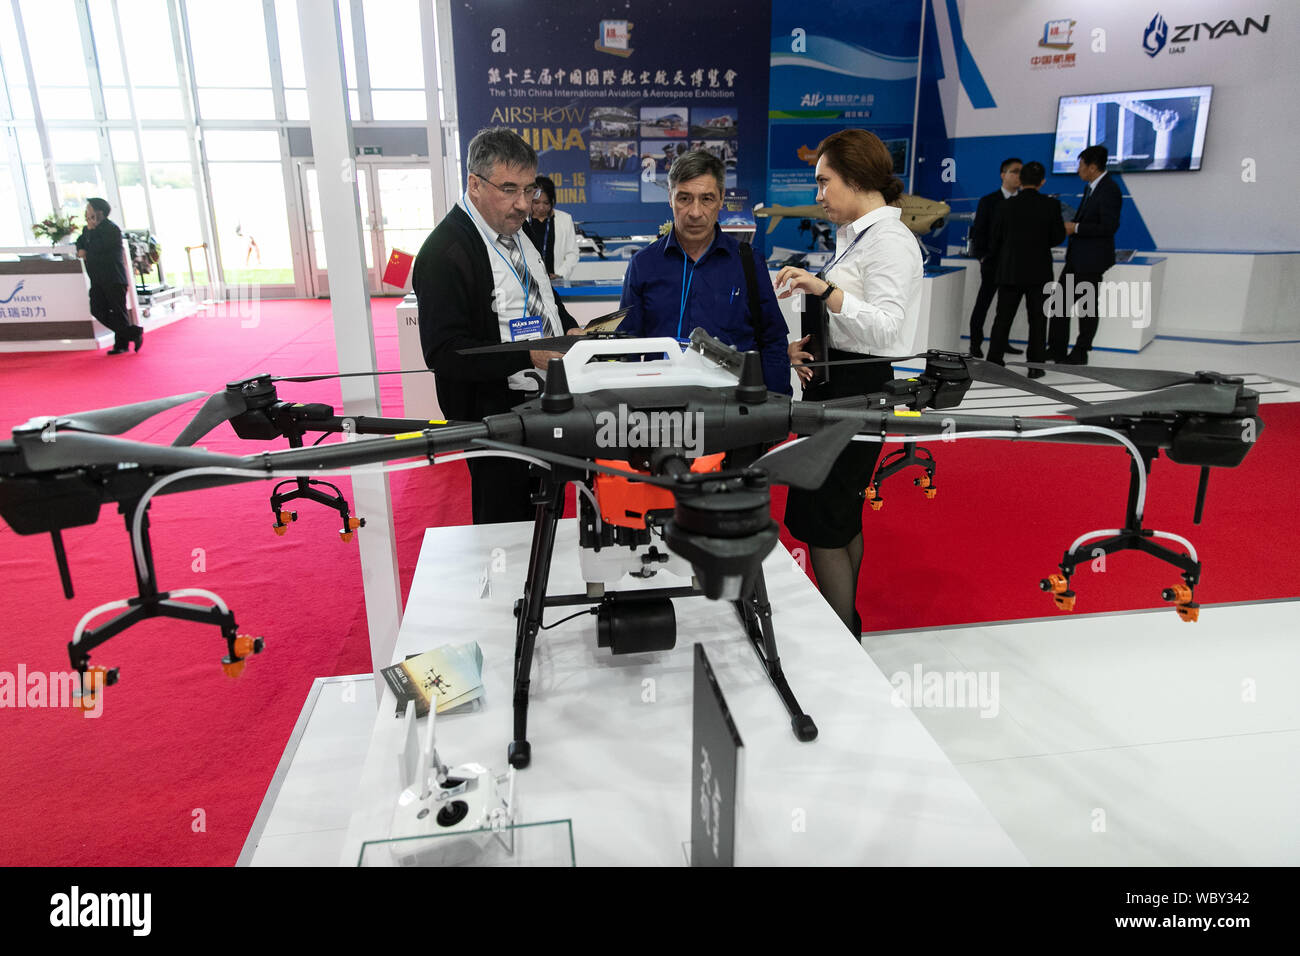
830	287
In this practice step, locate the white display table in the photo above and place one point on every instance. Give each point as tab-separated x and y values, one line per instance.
1130	313
611	736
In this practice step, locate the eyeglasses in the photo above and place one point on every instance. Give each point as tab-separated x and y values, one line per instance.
510	189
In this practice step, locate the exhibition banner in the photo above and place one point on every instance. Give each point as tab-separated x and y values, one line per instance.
836	65
609	94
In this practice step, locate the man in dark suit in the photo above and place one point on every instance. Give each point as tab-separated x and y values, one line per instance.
100	247
1025	228
981	235
1090	253
479	281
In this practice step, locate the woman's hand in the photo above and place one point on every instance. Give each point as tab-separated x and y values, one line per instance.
798	356
792	279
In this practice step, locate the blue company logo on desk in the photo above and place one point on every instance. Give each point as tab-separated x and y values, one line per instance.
14	296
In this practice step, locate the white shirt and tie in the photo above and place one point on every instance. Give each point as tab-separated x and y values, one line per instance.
508	297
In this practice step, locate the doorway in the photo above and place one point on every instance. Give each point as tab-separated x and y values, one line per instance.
396	213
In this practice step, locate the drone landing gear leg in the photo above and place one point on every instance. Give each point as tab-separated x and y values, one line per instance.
756	614
529	611
154	603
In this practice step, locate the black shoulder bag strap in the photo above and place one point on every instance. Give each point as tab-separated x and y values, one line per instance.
751	283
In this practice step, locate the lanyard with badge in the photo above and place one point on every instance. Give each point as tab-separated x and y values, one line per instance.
826	269
526	326
687	278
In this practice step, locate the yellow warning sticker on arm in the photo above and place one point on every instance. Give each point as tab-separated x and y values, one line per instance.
904	413
406	435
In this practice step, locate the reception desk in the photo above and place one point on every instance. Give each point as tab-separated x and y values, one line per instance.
44	302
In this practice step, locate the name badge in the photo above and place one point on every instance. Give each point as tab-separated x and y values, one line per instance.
529	327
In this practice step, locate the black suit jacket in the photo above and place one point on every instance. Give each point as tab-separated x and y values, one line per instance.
981	230
453	284
103	248
1092	247
1024	230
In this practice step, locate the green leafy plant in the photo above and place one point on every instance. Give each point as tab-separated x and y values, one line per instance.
56	227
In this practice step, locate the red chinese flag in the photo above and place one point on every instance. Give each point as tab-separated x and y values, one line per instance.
398	268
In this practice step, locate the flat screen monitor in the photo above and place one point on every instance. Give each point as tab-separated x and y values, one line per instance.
1144	130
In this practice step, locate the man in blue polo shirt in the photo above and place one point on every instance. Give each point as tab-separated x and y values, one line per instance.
694	276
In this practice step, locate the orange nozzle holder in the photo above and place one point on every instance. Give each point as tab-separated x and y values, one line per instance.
245	644
354	523
1064	602
929	492
923	482
877	504
287	516
1179	593
625	501
871	493
1190	613
1056	583
233	668
345	536
280	529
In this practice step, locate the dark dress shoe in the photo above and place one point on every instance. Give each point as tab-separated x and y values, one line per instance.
1075	358
1012	350
1036	373
137	338
118	350
976	351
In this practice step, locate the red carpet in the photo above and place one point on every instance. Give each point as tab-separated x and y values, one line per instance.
175	770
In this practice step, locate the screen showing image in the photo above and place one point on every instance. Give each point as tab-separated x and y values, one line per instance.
1143	130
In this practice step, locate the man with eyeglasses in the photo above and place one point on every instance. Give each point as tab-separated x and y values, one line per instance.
697	277
478	280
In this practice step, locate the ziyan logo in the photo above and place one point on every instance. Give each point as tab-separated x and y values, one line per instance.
1157	32
1056	34
1153	38
615	37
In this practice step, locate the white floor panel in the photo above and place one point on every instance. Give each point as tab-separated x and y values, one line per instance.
1227	801
1185	735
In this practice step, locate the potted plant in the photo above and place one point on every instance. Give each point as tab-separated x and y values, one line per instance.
56	227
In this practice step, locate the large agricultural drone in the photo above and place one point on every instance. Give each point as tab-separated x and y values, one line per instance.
699	508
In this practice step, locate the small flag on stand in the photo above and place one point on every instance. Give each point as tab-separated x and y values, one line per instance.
398	268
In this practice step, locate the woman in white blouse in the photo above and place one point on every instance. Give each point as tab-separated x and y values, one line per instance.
551	231
871	292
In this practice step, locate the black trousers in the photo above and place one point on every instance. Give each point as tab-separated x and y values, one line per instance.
983	299
1035	308
108	306
1058	336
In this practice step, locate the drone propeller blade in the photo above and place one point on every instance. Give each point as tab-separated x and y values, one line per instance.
871	360
220	407
74	449
1190	399
1129	379
325	375
580	464
806	464
992	374
556	343
113	421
